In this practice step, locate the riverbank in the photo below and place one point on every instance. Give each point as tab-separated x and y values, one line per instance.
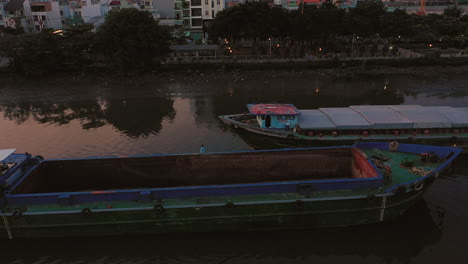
441	68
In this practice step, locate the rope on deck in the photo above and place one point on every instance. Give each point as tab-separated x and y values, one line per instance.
7	227
382	211
382	154
420	171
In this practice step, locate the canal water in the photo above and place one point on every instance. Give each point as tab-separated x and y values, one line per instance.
176	114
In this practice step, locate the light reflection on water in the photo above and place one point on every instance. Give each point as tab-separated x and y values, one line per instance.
179	116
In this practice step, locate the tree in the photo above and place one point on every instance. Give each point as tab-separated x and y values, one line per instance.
34	54
251	20
48	51
396	23
131	40
364	19
76	43
279	22
452	12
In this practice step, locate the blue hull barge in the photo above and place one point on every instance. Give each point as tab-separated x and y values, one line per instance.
288	188
433	125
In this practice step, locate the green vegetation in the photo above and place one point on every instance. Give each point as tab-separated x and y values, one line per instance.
129	41
332	28
46	52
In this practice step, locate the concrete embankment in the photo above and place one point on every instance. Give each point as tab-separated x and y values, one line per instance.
295	63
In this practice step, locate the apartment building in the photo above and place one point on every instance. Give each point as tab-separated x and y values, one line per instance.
16	14
45	14
195	16
2	12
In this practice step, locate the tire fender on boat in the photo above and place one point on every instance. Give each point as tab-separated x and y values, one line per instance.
229	205
410	139
371	197
417	186
158	208
86	211
290	137
399	190
17	212
299	204
453	139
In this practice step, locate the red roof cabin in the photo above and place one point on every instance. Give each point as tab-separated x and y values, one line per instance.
279	116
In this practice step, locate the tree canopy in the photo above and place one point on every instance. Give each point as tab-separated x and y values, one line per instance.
309	23
47	51
131	40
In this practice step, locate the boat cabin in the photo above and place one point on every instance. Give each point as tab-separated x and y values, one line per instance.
276	116
12	167
6	163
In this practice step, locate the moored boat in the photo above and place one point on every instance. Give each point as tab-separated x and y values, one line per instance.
288	188
435	125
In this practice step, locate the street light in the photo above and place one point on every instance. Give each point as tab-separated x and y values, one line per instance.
269	39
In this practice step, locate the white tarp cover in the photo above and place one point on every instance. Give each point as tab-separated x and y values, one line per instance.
404	107
457	115
4	153
462	121
346	118
314	119
383	117
423	117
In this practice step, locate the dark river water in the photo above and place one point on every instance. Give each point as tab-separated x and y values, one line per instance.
177	115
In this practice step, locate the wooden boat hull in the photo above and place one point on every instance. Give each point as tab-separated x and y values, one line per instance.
260	141
285	214
259	138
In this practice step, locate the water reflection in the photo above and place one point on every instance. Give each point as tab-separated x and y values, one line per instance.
140	116
302	93
133	117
